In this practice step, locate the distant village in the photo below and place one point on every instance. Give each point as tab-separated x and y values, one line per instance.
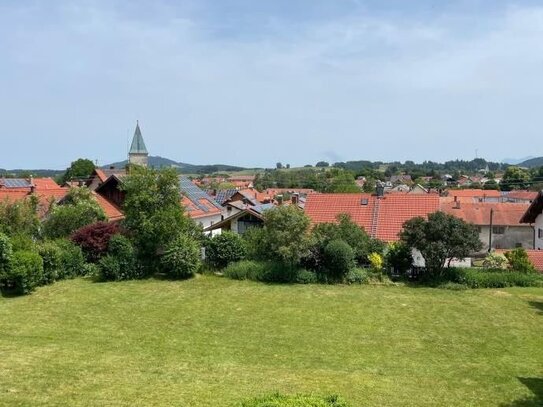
505	219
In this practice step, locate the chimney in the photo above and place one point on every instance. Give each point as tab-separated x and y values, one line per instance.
295	198
380	189
32	185
279	199
456	203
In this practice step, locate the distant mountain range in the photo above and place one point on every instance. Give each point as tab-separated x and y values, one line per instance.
160	162
533	162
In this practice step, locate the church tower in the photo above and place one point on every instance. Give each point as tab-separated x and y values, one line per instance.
138	152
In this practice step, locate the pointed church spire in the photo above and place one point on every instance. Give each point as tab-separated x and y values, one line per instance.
138	145
138	152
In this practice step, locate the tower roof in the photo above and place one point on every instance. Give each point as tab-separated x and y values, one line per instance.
138	145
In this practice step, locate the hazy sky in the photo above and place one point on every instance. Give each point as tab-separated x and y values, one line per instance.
253	82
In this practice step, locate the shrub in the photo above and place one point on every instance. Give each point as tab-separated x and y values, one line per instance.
24	274
399	257
278	400
338	259
109	269
376	262
72	259
357	276
245	270
474	278
495	261
22	242
120	262
265	271
304	276
224	249
91	270
519	261
6	253
51	255
181	258
94	239
79	208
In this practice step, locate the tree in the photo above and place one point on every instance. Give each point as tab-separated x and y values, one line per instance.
78	209
343	182
154	215
322	164
515	178
80	168
284	236
440	238
279	165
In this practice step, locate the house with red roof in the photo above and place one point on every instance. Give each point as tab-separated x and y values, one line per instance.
534	217
382	217
498	223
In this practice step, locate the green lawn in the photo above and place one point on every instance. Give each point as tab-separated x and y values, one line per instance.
212	341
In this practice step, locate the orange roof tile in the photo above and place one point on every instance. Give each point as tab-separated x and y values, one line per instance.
536	257
380	217
474	193
113	213
522	195
478	213
45	183
195	212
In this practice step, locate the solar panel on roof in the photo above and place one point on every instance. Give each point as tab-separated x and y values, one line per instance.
194	193
16	183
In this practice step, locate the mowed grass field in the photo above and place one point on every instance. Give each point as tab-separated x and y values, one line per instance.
210	341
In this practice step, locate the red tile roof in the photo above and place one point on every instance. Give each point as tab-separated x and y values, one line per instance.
45	183
536	257
505	214
112	212
380	217
100	174
522	195
474	193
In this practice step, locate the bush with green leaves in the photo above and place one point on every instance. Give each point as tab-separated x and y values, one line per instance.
398	257
304	276
519	261
494	261
278	400
72	259
265	271
476	278
283	238
348	231
181	258
24	274
120	263
20	217
357	276
52	257
223	249
79	208
338	260
6	253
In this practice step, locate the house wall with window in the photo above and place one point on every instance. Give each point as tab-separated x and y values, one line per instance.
538	229
506	237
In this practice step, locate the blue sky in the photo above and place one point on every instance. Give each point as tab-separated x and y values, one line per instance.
255	82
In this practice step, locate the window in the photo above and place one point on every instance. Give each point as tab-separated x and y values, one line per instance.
540	233
498	230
